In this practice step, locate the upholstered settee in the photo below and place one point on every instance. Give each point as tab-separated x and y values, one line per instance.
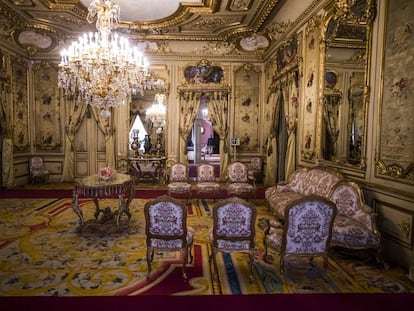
355	222
305	181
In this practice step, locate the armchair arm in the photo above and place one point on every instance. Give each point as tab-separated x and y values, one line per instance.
252	180
283	187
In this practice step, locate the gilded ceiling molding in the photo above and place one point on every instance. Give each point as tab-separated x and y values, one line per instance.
217	48
213	23
277	30
181	15
74	6
239	5
262	15
314	23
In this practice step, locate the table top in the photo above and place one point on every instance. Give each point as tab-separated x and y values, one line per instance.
147	159
94	181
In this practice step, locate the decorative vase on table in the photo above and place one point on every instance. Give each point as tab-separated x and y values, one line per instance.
135	145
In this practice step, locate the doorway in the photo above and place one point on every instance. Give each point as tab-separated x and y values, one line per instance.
89	147
203	142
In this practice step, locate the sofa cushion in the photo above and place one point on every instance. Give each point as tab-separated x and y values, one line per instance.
350	233
279	200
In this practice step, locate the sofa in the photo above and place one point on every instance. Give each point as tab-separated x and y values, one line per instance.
355	222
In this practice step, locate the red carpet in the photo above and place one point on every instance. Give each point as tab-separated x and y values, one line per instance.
67	193
320	302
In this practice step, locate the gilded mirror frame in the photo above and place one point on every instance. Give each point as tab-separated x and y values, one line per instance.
157	84
347	28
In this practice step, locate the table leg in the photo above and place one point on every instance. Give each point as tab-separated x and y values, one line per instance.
123	208
75	207
97	209
124	204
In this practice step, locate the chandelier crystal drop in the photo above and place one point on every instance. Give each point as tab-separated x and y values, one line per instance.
102	68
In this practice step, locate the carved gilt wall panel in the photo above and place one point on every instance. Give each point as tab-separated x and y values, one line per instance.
310	84
21	136
48	134
247	108
396	143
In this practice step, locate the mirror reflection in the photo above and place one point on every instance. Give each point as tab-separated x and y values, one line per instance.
347	42
148	120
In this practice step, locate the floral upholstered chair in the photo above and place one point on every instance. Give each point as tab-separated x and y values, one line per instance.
307	230
166	229
355	225
255	169
233	229
178	180
238	181
38	172
206	180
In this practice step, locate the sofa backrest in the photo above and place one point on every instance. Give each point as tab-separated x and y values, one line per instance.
317	180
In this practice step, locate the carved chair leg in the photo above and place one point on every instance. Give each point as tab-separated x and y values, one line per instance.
380	258
150	257
251	261
191	253
185	259
214	261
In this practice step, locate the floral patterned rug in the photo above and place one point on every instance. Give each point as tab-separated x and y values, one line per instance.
43	252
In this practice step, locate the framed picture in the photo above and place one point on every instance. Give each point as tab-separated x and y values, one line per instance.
235	142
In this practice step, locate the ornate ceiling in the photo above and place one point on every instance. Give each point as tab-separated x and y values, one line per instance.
40	26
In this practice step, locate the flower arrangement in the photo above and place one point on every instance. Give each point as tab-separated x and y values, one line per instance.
106	173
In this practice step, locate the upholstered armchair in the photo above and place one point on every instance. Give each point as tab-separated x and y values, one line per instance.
306	232
233	229
166	229
238	181
178	180
122	166
206	180
38	172
255	169
355	224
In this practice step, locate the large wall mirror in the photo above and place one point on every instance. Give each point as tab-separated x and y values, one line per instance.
345	46
148	117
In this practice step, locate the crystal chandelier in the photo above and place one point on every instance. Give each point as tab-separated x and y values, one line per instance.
102	68
156	113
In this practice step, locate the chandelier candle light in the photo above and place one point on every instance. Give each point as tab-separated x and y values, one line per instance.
102	68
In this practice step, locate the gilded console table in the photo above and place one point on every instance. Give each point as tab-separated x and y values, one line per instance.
120	186
146	169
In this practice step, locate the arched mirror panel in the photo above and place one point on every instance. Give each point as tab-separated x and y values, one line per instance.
345	49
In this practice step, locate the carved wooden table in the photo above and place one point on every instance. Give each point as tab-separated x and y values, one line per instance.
147	169
120	186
